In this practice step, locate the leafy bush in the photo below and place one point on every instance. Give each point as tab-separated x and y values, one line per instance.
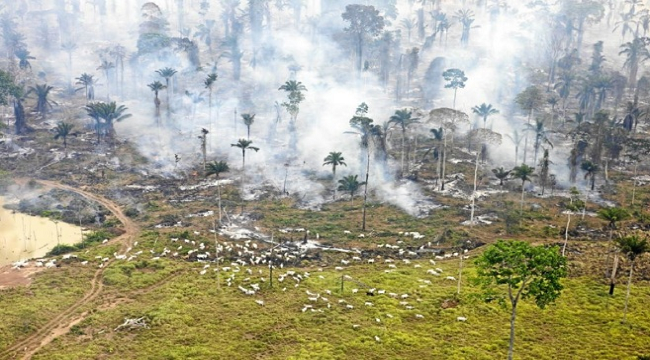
61	249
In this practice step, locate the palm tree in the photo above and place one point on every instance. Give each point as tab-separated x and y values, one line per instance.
632	246
635	53
42	102
438	136
295	96
248	121
106	66
111	113
466	18
351	184
208	83
156	86
529	100
69	47
244	144
501	174
63	130
335	159
88	85
216	167
541	136
516	139
590	170
167	73
403	119
484	111
93	112
24	56
523	173
612	216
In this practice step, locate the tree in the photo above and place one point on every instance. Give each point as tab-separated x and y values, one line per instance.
574	205
484	111
449	119
516	140
635	53
110	113
106	66
544	167
216	167
204	140
364	23
62	131
8	87
457	79
208	83
295	97
529	100
167	73
403	119
156	86
485	136
523	173
24	56
466	18
527	271
590	169
335	159
88	85
501	174
541	136
350	184
612	215
43	104
248	121
632	246
244	145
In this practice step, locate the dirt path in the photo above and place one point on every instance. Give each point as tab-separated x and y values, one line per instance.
62	323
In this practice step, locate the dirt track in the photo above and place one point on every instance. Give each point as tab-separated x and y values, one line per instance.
61	324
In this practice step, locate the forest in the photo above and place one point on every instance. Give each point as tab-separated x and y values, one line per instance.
447	179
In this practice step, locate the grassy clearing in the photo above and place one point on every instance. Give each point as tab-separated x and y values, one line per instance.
191	319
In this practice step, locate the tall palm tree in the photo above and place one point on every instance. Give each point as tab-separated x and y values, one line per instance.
516	140
43	104
403	119
156	86
438	136
635	53
590	170
334	158
632	246
501	174
106	67
612	215
484	111
63	130
248	119
111	113
92	110
523	173
529	100
69	47
541	136
295	96
24	56
350	184
209	83
167	73
88	85
216	167
244	145
466	18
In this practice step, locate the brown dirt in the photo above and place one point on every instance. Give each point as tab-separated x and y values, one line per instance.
62	323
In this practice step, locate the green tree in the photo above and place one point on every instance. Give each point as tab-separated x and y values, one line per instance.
612	215
527	272
456	80
244	145
364	24
110	113
334	158
403	119
541	136
523	173
632	246
248	121
216	167
501	174
62	131
43	104
350	184
8	87
529	100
